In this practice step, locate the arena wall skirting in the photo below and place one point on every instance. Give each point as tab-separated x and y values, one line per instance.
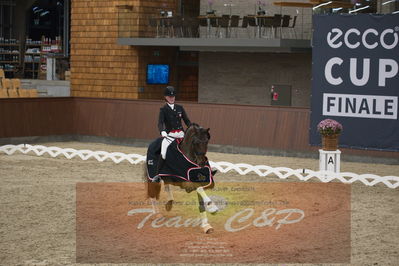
256	127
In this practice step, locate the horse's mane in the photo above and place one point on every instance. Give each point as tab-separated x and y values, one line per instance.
190	132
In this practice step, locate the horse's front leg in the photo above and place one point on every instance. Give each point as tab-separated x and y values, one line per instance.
206	227
209	205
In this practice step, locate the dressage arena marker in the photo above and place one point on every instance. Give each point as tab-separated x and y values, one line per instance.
224	167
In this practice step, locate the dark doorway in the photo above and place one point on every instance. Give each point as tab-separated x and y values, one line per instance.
46	18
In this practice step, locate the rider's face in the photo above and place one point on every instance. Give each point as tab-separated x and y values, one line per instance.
170	99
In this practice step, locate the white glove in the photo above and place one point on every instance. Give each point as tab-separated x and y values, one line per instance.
164	134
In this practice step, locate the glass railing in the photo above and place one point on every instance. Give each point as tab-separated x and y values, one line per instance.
283	22
225	19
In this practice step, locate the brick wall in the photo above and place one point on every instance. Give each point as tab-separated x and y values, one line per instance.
246	78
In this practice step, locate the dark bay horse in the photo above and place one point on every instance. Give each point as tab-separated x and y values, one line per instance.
185	166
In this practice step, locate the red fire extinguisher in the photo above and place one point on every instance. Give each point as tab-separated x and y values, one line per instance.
275	96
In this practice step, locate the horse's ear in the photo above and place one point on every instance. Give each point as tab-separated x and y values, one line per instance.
209	135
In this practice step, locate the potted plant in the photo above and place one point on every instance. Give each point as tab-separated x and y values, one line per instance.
330	130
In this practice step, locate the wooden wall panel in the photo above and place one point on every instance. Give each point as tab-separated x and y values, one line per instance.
36	117
188	76
99	66
263	127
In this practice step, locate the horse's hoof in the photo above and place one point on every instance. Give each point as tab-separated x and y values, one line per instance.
169	205
211	208
208	229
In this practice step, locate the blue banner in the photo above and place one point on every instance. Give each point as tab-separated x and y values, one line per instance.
356	80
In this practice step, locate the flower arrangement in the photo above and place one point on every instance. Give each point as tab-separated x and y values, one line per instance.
261	5
210	11
210	3
261	8
329	127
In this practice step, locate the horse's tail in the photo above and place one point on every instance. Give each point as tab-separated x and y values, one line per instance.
151	168
153	188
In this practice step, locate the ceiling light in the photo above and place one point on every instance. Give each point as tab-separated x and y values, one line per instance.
322	4
387	2
355	10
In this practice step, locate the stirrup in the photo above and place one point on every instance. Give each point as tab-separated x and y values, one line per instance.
211	207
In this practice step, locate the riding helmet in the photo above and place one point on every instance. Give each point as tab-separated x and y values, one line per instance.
169	91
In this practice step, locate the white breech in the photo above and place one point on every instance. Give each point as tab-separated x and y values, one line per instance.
168	140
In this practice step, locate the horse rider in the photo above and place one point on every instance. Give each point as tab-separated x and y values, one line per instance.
170	121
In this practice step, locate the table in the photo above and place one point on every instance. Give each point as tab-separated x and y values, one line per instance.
258	24
208	20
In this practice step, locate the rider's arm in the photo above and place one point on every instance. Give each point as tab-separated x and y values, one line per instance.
161	121
185	118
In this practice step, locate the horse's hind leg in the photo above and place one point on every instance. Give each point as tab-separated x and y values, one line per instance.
170	199
153	191
206	227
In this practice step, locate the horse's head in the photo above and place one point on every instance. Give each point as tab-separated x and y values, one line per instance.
196	141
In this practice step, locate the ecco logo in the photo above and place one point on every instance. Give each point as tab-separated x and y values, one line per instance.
370	38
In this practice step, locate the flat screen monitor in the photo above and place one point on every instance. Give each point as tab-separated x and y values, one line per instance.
157	74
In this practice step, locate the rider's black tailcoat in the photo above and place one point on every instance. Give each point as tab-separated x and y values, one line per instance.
170	120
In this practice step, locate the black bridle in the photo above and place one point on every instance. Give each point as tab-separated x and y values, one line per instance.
197	141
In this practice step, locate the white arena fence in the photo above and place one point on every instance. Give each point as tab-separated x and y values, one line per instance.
224	167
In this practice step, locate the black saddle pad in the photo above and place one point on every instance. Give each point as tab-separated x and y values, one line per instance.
179	166
153	153
176	168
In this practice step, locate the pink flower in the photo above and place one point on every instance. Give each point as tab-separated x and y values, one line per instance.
328	127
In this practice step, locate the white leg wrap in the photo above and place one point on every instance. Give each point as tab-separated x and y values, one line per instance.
169	193
209	205
204	219
154	204
205	197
